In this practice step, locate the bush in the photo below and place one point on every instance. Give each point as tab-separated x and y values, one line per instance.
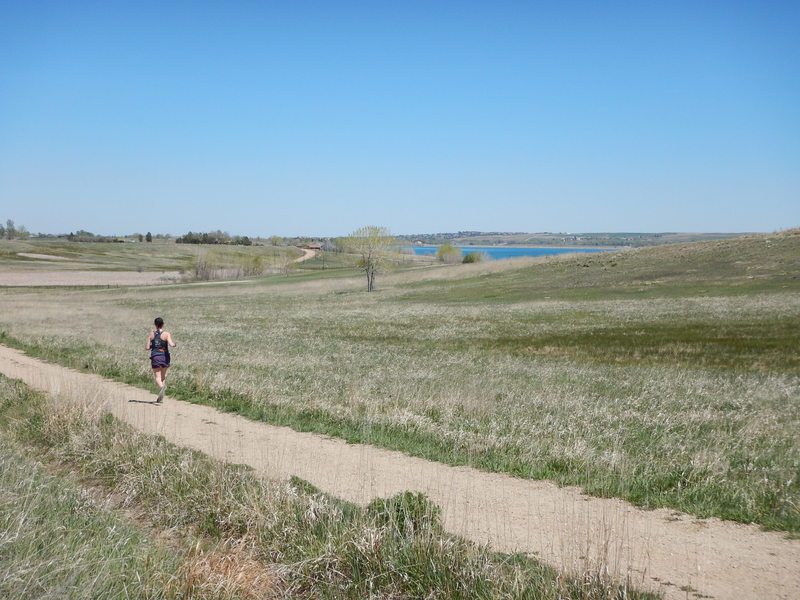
448	254
472	257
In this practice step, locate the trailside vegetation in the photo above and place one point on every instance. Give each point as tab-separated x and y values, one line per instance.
231	534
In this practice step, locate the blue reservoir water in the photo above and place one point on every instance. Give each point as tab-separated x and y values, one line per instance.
500	252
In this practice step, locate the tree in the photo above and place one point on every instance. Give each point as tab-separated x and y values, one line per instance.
447	254
140	237
149	237
276	240
10	229
371	244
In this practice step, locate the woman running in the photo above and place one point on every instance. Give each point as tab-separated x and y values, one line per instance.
159	343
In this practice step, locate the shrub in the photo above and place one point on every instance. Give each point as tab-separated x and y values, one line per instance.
448	254
472	257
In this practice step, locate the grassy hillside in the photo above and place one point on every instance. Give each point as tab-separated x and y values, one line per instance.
159	255
751	264
667	376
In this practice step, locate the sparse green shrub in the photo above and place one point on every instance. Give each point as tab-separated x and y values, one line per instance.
448	254
473	257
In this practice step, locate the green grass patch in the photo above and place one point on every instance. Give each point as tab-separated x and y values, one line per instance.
57	541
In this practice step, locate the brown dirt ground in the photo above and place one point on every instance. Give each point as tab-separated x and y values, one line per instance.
675	554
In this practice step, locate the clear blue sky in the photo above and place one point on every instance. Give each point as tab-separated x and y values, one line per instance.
317	118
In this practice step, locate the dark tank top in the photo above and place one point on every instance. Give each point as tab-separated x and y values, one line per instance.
157	346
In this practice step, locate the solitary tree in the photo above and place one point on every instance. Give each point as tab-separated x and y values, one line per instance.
371	244
11	231
149	237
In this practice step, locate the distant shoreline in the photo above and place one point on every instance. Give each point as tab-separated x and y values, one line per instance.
525	247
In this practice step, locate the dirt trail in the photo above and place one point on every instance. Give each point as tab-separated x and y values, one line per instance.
675	554
308	254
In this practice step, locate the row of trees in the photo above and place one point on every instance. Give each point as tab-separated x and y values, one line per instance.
11	231
87	236
214	237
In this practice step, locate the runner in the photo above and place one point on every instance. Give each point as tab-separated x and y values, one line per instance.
159	343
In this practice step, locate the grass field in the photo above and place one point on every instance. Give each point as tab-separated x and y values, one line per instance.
159	255
131	516
667	376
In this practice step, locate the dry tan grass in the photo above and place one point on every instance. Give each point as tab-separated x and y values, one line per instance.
605	540
60	278
227	571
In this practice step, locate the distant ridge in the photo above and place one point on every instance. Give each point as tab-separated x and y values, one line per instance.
617	239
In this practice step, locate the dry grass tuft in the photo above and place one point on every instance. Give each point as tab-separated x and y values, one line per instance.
227	571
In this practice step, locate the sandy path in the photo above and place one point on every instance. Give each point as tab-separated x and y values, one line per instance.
47	257
308	254
675	554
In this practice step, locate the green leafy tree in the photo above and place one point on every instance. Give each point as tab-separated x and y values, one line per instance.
11	231
371	244
149	237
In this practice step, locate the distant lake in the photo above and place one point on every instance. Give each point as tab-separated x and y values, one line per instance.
500	252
